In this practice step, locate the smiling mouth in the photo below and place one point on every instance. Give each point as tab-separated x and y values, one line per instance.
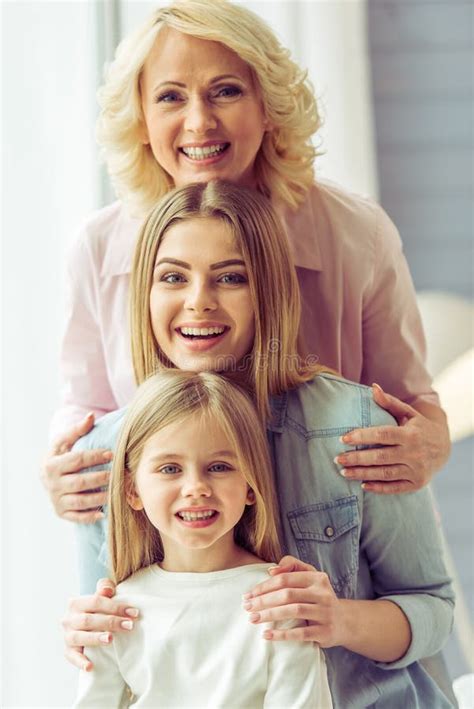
202	333
196	516
205	152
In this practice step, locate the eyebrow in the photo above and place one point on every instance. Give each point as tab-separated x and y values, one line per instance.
163	457
181	85
213	266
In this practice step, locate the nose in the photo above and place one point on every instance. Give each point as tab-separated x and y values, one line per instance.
200	116
200	298
195	486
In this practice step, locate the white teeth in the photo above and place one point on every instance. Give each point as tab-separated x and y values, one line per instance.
193	516
202	331
196	153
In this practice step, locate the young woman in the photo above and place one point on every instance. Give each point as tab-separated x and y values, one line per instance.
204	90
192	520
213	288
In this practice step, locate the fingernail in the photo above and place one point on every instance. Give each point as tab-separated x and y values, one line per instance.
343	472
86	666
271	568
127	624
363	486
246	596
132	612
267	635
254	617
108	456
105	638
247	605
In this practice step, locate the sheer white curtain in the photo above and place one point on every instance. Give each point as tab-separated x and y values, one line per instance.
50	183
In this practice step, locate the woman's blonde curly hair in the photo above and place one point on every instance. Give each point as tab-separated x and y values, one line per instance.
284	163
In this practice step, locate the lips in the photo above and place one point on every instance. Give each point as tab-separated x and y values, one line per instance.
208	152
196	519
193	332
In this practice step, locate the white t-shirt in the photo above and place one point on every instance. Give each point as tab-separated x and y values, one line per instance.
194	646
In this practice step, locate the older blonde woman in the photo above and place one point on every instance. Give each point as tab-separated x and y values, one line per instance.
204	90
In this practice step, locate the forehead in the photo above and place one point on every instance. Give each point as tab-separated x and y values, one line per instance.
190	434
181	57
206	237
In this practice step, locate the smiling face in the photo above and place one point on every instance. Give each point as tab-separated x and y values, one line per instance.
204	117
201	308
190	485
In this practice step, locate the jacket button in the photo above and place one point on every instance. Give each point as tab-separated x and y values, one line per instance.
329	532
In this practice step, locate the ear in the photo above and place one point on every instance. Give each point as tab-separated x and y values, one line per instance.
143	133
131	494
250	500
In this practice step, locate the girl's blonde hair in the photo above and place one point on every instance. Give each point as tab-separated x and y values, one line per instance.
167	398
276	362
284	163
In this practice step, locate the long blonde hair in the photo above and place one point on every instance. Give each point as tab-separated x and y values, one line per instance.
166	398
276	362
284	163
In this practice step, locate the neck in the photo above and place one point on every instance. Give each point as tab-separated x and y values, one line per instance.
184	559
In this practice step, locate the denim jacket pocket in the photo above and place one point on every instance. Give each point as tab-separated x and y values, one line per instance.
327	536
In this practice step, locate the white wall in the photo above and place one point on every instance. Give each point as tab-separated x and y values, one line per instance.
49	183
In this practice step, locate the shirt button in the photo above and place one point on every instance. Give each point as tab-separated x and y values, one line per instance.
329	532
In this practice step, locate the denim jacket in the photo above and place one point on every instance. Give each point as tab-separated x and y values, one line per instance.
371	546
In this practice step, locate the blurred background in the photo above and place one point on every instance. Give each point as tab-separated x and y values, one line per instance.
395	80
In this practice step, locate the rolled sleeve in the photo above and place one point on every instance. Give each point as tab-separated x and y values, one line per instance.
431	620
402	540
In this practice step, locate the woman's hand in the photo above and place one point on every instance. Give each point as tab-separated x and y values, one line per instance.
297	591
409	455
75	495
91	620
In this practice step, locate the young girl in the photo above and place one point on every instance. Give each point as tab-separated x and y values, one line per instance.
192	517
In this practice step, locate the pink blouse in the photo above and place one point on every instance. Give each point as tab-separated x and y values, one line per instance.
359	310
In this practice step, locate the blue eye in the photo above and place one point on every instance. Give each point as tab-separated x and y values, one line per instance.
232	278
169	469
172	278
227	92
220	468
168	97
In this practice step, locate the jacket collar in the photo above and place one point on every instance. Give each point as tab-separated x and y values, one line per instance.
301	227
278	405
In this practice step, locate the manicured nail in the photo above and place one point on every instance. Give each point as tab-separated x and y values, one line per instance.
105	638
343	472
107	456
271	569
246	596
126	624
247	606
267	635
364	486
131	612
254	617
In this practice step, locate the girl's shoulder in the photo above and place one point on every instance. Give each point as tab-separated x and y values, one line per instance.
329	402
